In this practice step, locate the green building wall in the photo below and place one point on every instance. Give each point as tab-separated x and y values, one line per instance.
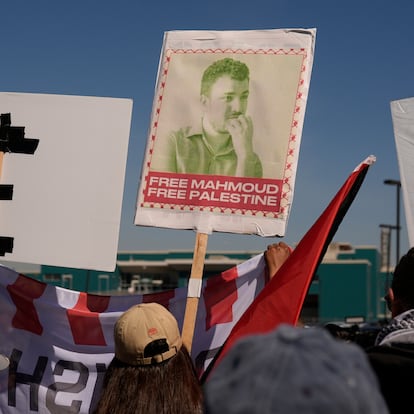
79	279
344	291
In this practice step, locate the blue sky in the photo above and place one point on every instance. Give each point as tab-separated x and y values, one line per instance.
363	60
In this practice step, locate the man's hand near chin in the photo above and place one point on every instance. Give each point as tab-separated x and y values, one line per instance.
240	128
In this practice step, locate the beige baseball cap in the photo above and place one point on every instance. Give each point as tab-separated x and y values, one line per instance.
141	325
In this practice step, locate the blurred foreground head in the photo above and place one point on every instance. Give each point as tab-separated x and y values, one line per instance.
294	370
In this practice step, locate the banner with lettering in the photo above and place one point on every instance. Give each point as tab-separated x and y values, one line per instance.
59	342
225	130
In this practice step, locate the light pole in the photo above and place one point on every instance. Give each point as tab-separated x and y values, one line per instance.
386	250
397	184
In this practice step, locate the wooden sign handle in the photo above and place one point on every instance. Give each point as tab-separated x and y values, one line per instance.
194	289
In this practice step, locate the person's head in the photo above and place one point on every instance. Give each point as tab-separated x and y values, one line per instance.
400	296
152	371
146	334
224	92
294	370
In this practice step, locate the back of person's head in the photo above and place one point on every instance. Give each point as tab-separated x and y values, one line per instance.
294	370
152	372
403	281
146	334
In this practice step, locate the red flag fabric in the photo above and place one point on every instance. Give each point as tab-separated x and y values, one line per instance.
282	298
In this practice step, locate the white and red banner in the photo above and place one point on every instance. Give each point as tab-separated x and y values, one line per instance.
59	341
225	130
402	112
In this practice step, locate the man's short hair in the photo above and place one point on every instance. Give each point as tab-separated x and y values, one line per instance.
403	280
234	68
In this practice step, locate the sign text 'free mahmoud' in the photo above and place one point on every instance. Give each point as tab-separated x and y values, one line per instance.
204	191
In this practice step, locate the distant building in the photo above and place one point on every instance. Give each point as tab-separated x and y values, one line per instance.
349	284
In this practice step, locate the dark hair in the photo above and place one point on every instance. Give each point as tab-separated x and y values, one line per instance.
169	387
403	281
235	69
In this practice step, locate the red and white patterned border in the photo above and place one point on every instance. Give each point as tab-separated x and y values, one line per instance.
292	145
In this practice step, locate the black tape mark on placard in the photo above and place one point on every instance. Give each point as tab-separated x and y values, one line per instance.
6	245
12	140
6	192
12	137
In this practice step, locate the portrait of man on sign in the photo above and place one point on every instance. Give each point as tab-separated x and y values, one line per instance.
223	142
225	130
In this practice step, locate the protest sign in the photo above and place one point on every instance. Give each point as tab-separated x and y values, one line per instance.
65	209
225	130
402	112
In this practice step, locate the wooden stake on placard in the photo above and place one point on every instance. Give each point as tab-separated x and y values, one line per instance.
194	289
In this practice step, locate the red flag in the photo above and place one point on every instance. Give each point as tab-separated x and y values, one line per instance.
282	299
